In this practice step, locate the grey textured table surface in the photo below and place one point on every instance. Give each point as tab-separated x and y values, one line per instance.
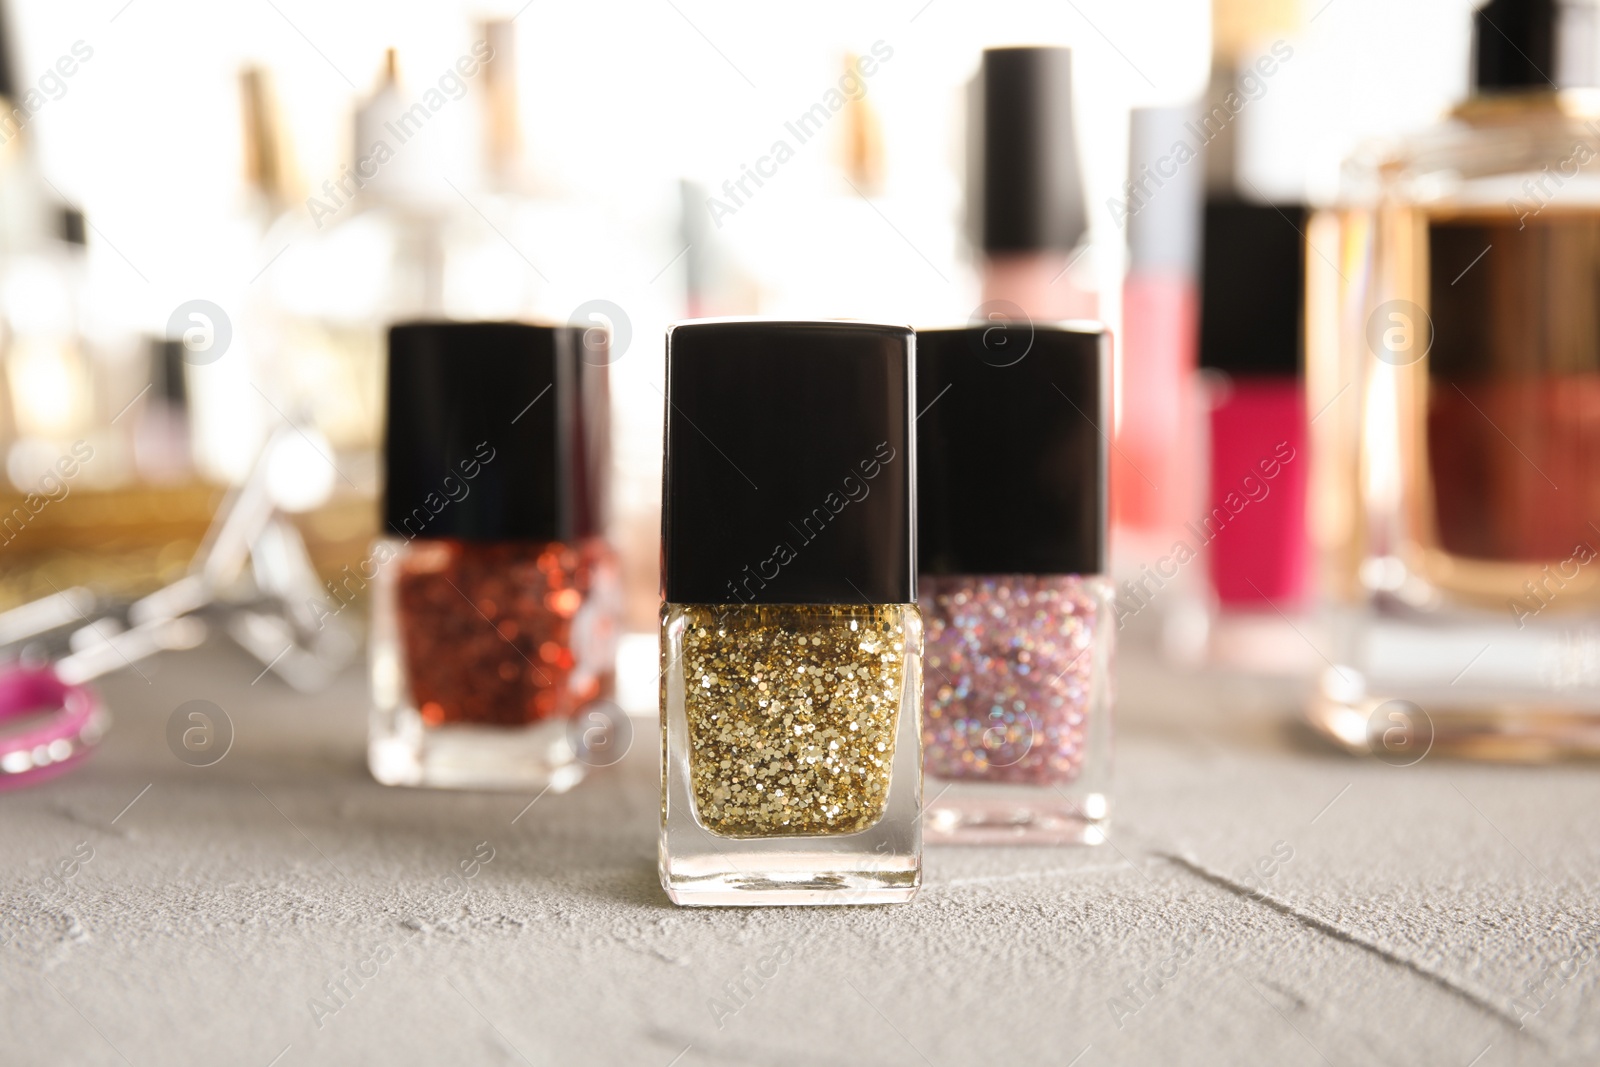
220	910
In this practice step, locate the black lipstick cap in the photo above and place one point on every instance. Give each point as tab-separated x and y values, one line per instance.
495	431
1011	449
790	464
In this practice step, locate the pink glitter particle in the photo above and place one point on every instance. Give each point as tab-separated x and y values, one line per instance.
1010	676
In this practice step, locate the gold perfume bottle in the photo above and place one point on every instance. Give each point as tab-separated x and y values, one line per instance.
1453	360
791	644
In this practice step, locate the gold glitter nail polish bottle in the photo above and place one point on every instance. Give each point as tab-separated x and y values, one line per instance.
791	646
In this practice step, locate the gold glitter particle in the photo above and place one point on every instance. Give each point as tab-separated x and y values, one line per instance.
792	712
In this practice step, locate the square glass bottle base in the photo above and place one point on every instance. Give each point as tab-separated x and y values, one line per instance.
1465	685
1000	813
715	876
791	754
534	757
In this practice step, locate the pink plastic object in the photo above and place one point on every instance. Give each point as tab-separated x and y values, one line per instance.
77	721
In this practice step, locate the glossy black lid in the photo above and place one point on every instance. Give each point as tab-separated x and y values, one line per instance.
1030	193
1536	44
1252	288
1011	449
495	431
789	473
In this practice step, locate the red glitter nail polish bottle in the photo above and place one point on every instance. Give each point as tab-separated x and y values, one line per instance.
495	596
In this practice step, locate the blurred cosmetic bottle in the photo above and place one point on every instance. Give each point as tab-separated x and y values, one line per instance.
1011	509
791	642
1157	477
1025	188
424	219
1250	333
1453	343
1250	525
495	595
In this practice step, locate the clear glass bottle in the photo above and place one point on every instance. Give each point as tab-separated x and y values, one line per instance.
1012	541
791	644
495	596
1453	351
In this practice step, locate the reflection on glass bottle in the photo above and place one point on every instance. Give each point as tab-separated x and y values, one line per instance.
791	670
1456	358
50	375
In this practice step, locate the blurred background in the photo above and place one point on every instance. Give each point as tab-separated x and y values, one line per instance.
212	212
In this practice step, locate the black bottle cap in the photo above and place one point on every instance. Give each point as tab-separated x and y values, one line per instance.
166	371
790	464
496	431
1011	449
1252	288
1536	44
71	226
1030	193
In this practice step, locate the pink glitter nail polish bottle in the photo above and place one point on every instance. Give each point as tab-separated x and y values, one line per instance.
1016	728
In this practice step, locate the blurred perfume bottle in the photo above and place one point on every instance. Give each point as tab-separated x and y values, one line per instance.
1453	344
363	250
53	384
859	238
1011	512
414	224
1025	187
1155	478
506	220
495	599
791	643
50	373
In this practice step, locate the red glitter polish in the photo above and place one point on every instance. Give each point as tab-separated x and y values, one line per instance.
496	598
482	643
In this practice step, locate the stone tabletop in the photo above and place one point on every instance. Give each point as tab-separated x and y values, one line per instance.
1263	900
